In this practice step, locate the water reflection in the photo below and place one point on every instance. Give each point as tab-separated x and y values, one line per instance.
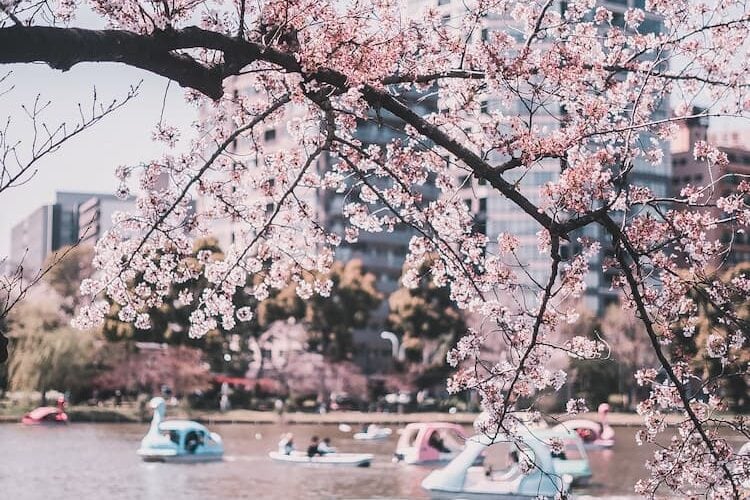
92	461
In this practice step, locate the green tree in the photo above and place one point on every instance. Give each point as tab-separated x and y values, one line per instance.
46	353
225	350
592	380
430	324
631	349
332	319
715	323
68	266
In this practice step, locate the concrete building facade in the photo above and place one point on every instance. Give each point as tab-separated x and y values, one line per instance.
51	227
691	172
495	214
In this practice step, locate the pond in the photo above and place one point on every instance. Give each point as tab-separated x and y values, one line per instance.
98	461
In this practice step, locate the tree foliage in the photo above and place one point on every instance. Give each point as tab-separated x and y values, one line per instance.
707	335
330	318
430	324
68	267
46	353
575	93
128	367
170	321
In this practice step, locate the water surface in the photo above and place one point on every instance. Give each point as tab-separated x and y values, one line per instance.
98	461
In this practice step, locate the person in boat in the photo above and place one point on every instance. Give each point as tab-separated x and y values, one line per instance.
192	441
436	441
286	445
313	450
325	447
587	435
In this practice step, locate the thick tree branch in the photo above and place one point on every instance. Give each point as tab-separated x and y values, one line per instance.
622	246
62	48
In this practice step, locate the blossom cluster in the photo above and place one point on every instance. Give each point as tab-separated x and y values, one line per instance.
481	99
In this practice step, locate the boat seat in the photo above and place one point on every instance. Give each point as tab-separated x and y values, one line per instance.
502	482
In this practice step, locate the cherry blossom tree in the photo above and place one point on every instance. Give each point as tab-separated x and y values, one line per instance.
593	88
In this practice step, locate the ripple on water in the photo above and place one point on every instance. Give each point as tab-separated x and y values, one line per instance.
93	461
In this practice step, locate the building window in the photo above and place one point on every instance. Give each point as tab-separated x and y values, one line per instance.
483	204
485	34
484	107
269	135
444	2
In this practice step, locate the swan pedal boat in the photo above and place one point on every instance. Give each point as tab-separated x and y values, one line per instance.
45	415
575	462
462	479
595	435
372	433
414	446
346	459
179	441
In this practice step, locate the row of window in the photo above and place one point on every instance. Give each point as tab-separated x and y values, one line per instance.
732	157
696	179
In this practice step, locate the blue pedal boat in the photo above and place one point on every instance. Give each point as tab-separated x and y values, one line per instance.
178	440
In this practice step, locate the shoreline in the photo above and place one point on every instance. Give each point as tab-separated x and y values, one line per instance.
125	415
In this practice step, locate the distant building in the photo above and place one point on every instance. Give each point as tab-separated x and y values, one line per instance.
34	238
95	216
276	348
495	214
691	172
50	227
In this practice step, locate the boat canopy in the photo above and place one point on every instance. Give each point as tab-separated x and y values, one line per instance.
182	426
541	478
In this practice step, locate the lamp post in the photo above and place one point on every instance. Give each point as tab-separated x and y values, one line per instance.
398	352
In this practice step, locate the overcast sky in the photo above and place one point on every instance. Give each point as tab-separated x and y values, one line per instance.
87	162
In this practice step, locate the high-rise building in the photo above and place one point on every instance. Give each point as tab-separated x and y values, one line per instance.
33	238
95	216
688	171
495	214
51	227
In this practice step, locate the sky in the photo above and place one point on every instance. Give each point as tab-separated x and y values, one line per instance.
88	161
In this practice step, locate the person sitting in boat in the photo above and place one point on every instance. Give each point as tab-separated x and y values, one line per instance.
286	445
192	441
313	450
587	435
436	441
325	447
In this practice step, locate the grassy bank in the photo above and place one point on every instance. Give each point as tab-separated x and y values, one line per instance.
131	414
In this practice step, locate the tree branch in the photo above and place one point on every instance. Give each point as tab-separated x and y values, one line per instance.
62	48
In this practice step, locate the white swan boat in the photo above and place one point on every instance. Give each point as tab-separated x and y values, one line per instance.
178	440
373	432
745	452
342	459
537	479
